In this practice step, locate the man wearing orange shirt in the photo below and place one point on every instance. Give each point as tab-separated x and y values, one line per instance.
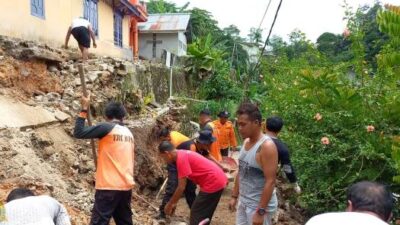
174	137
115	163
206	123
226	133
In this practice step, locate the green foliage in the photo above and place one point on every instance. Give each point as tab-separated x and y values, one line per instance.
351	80
334	47
350	99
202	57
161	6
207	69
203	24
255	35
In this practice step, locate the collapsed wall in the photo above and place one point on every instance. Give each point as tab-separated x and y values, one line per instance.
40	93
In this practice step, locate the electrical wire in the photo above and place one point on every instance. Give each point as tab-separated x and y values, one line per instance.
269	34
265	13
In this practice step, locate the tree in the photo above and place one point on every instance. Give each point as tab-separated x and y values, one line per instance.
232	31
161	6
278	45
327	44
298	45
202	24
255	35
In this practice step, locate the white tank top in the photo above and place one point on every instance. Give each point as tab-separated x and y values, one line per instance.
80	22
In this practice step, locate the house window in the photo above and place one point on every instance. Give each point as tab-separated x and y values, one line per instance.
118	29
90	13
37	8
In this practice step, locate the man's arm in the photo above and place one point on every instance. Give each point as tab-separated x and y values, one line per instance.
210	157
67	37
88	132
171	205
235	194
232	135
269	165
133	158
92	35
62	217
287	165
82	132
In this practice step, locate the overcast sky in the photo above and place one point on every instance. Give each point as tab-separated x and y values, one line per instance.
313	17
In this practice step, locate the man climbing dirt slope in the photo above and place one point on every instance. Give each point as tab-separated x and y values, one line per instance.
82	31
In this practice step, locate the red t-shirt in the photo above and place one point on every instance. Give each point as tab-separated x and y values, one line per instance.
201	171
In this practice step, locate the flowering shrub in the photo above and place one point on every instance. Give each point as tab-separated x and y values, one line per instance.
342	124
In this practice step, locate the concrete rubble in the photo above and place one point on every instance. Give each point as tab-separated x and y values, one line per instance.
37	149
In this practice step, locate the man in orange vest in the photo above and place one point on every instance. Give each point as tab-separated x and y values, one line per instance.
226	133
115	164
207	124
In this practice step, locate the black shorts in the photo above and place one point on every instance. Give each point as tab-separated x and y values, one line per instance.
81	34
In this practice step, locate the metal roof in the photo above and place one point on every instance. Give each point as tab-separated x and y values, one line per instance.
124	6
162	23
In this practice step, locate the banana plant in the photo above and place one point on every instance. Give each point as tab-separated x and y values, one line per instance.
202	57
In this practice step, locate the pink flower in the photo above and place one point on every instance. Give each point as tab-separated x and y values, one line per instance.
370	128
346	32
325	141
318	117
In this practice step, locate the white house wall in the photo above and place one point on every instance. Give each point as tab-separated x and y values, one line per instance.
182	43
169	42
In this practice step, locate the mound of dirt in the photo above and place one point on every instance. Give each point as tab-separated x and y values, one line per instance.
30	77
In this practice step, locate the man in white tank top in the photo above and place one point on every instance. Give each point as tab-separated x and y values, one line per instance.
82	31
258	162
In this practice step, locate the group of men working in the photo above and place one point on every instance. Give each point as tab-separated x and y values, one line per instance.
194	163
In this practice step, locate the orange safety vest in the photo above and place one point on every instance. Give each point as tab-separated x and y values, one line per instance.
226	134
215	149
115	161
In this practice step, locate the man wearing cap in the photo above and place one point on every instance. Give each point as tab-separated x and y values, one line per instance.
226	133
202	145
194	167
207	124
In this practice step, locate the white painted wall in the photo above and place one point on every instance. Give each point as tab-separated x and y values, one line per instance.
182	44
172	42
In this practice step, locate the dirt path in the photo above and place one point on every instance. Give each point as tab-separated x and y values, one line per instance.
222	216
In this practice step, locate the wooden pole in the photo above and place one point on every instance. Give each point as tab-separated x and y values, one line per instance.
144	200
84	90
162	188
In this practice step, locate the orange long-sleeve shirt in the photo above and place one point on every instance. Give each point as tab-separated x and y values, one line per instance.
215	149
226	134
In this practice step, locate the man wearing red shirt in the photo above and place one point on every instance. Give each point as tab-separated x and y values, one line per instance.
201	171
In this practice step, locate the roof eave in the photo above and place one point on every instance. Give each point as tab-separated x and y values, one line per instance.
161	31
131	8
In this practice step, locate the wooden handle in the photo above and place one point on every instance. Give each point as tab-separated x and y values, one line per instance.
83	83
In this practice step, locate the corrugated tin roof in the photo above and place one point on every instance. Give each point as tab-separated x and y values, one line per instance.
169	22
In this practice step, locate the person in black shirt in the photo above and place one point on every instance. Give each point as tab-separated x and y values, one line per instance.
273	127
